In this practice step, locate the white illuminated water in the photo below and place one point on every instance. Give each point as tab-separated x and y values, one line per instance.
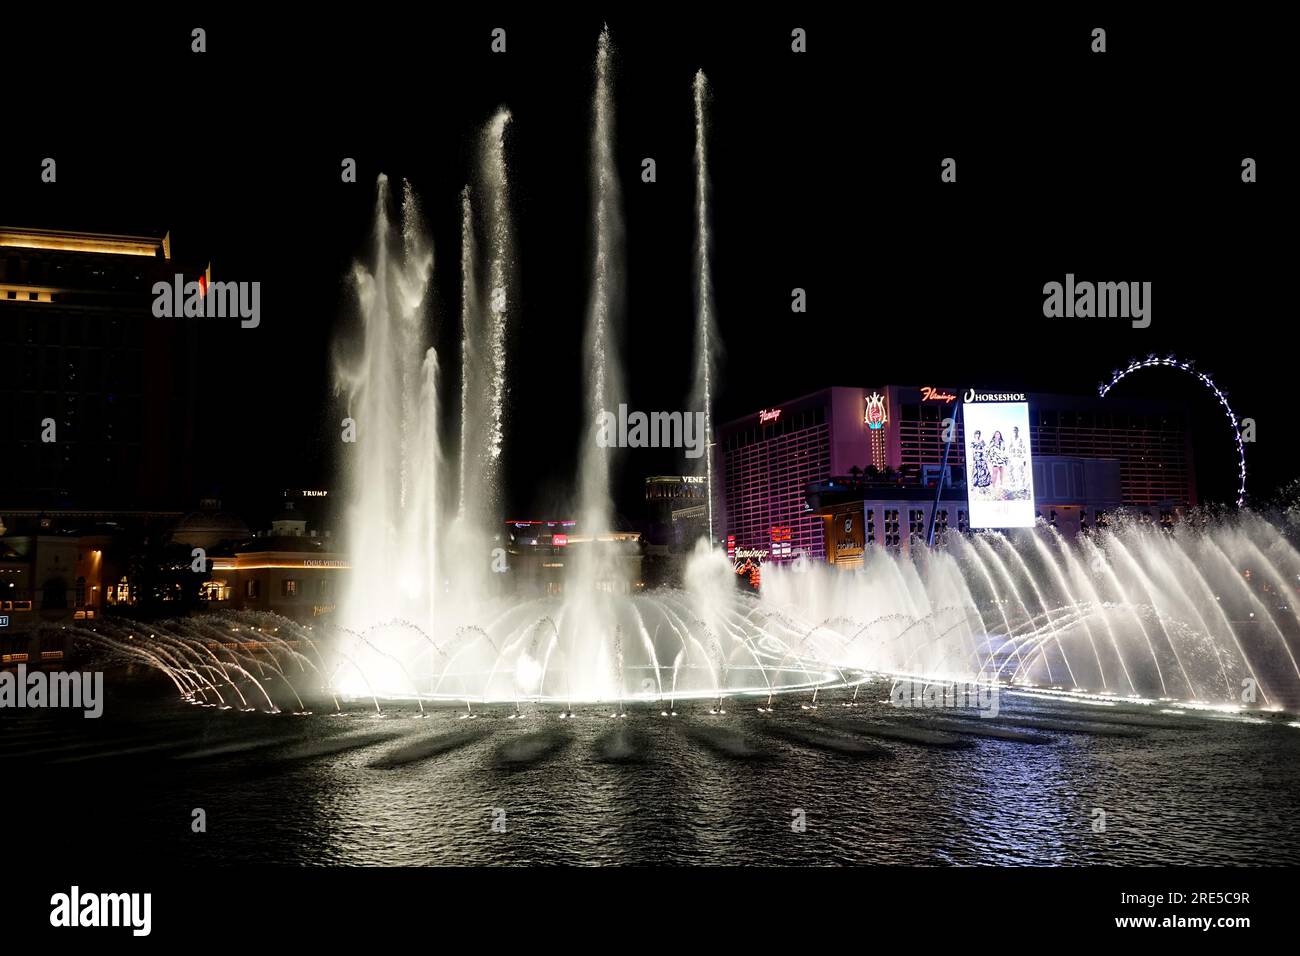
442	622
1199	612
706	337
1196	616
393	468
605	307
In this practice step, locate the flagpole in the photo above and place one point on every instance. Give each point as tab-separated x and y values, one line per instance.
943	476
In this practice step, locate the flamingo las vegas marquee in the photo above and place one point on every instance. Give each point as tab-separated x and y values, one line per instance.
832	473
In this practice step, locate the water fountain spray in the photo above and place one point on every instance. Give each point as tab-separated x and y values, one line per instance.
391	467
606	304
702	395
487	304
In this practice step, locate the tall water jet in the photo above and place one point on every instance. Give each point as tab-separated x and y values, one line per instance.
590	615
705	336
486	302
500	249
390	450
595	508
469	335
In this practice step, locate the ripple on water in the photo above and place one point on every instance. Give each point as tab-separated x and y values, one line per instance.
695	789
531	748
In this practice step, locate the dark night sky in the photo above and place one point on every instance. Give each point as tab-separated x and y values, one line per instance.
825	173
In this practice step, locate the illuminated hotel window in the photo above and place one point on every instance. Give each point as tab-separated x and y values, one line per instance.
891	528
289	588
251	590
870	538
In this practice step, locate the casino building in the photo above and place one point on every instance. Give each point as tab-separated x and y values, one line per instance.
677	513
797	475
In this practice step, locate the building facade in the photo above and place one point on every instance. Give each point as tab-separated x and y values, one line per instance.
97	399
677	513
786	470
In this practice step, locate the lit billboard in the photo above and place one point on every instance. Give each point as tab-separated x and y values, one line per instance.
999	465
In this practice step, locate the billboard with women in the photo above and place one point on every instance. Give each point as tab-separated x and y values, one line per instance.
999	469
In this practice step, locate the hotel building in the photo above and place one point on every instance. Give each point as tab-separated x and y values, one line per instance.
791	474
97	396
677	513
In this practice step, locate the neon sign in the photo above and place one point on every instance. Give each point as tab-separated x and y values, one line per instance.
766	415
972	396
877	416
929	394
753	571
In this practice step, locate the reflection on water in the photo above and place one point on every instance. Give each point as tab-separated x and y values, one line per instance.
645	789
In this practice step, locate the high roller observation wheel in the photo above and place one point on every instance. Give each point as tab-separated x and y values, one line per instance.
1172	361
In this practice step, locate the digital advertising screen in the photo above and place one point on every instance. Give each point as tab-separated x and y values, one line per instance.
999	465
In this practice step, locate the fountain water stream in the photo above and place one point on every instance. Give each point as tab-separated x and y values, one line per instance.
706	336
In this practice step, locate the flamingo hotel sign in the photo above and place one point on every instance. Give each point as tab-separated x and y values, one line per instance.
877	415
929	394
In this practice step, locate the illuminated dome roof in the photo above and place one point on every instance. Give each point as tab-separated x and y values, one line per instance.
289	522
209	526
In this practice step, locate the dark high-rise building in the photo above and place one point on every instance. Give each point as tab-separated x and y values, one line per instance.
678	513
96	394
